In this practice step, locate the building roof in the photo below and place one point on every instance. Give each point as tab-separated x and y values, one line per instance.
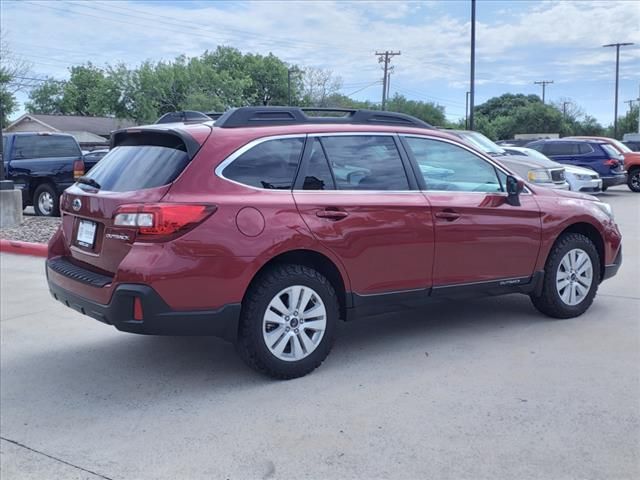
102	126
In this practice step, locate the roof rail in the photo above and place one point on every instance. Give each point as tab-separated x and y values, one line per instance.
269	116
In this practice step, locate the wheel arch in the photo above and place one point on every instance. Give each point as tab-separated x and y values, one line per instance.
317	261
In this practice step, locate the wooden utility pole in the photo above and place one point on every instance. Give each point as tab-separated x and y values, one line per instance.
385	57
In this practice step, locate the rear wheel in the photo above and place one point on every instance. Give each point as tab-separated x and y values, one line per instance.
288	321
45	201
572	275
633	179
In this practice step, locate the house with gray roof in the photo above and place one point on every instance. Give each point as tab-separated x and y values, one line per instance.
90	132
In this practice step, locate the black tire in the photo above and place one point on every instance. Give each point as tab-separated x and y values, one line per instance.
604	189
550	302
633	179
42	190
251	345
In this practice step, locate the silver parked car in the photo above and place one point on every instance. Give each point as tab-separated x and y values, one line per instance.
580	179
540	171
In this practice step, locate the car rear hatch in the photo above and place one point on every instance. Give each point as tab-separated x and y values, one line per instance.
138	170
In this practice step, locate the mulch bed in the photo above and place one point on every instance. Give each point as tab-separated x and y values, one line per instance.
32	229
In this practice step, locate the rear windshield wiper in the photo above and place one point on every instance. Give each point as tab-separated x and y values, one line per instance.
88	181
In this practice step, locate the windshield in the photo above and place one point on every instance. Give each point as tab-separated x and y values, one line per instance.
536	154
483	143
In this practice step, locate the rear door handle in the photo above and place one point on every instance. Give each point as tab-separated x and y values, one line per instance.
332	214
449	216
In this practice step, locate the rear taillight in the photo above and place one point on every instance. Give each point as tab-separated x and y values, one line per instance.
161	219
78	169
612	162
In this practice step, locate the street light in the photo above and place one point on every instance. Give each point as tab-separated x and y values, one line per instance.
615	109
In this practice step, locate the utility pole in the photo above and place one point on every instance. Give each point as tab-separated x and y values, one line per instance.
385	57
544	84
630	102
615	109
389	83
472	79
466	111
290	70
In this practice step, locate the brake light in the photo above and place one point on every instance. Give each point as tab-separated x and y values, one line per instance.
161	219
137	309
612	162
78	169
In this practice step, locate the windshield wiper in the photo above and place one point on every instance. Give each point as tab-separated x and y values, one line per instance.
88	181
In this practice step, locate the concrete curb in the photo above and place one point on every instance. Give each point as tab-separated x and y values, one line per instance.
23	248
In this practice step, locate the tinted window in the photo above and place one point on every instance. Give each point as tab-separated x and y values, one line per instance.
44	146
128	168
561	148
451	168
271	164
365	163
317	175
584	148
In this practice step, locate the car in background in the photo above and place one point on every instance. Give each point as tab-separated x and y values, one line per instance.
580	179
93	157
633	145
41	166
594	154
540	171
631	160
513	142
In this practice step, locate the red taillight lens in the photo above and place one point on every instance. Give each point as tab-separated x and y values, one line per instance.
612	162
78	168
161	219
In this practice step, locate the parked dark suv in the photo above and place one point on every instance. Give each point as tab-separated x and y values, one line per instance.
268	226
594	154
42	165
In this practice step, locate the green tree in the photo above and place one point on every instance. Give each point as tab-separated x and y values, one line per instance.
427	111
629	122
46	98
505	105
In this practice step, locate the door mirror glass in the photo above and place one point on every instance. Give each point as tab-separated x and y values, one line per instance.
514	189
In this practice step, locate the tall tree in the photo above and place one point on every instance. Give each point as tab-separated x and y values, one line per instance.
15	76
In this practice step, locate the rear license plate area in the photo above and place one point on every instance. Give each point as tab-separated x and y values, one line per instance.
86	233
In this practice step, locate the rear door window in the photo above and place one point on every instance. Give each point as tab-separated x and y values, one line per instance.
365	162
271	164
584	148
561	148
45	146
317	175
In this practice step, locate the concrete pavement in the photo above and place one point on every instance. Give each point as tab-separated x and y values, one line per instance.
482	389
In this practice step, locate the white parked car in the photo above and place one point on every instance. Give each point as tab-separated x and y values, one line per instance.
580	179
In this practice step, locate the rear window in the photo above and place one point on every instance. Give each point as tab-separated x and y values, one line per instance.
609	150
134	167
44	146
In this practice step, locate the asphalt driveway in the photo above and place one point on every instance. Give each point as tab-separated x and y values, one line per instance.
482	389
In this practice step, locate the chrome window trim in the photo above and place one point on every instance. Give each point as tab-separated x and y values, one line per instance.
218	171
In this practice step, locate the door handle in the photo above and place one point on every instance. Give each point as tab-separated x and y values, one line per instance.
332	214
448	215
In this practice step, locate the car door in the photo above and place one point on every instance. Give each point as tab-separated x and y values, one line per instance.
354	194
478	236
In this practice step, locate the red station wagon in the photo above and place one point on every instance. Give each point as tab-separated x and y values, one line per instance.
270	225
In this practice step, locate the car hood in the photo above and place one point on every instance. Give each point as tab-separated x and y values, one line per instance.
579	170
548	192
530	162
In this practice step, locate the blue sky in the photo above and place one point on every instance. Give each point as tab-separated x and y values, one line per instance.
518	42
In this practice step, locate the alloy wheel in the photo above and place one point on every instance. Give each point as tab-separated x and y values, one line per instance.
294	323
574	276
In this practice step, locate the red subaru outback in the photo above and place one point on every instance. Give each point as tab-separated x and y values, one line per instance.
269	225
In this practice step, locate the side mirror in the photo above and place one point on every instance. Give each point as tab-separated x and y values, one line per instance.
514	189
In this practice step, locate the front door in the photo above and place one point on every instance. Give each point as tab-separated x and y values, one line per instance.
478	236
354	194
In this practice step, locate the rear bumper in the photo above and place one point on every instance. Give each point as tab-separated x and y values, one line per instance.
614	180
611	270
158	317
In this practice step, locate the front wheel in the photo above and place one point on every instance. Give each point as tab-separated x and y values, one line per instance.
288	321
633	179
571	278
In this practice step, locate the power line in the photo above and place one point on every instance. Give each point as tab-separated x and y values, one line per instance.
377	82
